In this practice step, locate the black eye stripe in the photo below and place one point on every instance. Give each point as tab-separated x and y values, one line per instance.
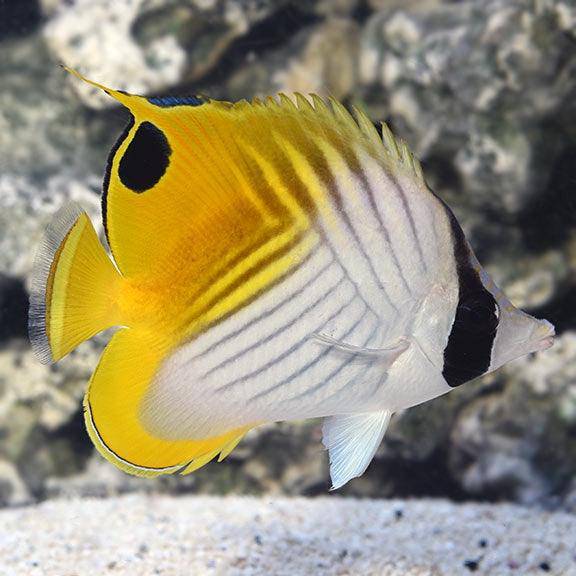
146	158
469	349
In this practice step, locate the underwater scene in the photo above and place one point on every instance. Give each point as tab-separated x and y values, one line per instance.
287	287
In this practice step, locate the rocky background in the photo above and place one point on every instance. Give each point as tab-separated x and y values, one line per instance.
485	94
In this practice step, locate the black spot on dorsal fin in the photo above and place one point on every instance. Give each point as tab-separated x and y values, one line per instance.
146	158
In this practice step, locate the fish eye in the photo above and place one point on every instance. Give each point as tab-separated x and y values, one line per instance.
479	313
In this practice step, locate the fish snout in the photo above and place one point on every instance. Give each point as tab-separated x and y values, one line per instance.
543	337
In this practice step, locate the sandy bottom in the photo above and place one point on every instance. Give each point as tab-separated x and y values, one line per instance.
159	535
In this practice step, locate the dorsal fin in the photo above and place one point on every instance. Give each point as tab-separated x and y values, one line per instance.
184	172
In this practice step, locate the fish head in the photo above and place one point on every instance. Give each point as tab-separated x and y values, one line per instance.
517	333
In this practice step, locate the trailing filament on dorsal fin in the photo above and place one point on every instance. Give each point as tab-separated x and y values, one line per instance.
119	95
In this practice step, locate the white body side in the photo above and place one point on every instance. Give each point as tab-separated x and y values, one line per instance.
372	278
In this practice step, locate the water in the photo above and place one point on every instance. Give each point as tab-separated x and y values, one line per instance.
482	92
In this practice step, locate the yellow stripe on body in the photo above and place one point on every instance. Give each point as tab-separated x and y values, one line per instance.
312	182
294	218
299	220
259	283
250	189
204	314
302	219
239	184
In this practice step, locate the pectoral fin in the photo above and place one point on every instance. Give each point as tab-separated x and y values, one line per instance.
387	355
352	441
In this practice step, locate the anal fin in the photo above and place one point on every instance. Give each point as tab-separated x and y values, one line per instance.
352	441
222	452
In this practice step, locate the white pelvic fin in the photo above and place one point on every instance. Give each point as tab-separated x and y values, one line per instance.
352	441
388	355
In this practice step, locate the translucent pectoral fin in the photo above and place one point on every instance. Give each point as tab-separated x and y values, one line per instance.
352	441
388	354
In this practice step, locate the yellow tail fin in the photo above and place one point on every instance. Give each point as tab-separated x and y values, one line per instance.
74	287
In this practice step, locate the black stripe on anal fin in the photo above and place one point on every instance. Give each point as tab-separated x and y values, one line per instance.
469	349
146	158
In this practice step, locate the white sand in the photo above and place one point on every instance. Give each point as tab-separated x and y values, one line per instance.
158	535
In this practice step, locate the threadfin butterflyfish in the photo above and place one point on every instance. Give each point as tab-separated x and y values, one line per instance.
270	260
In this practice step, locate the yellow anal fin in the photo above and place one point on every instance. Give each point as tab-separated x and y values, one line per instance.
229	447
112	409
199	462
223	451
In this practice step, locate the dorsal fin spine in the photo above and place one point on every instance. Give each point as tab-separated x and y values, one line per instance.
286	102
303	103
367	127
405	156
343	116
389	141
320	105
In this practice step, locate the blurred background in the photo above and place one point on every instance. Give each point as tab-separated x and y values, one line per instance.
483	91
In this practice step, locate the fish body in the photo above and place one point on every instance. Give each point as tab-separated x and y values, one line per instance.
272	261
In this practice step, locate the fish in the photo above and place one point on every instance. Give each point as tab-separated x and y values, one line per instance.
269	260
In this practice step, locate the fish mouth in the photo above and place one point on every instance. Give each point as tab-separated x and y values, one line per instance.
543	344
545	337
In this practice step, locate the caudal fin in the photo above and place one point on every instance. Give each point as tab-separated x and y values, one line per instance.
74	287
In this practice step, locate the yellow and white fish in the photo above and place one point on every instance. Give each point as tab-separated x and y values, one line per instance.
270	261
